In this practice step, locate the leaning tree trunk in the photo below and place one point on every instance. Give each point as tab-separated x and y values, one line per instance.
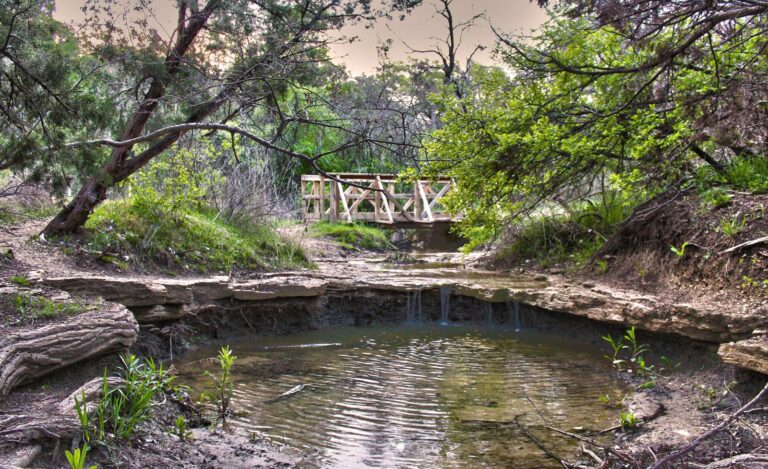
119	166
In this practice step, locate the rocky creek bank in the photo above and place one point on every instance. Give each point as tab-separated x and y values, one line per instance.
160	317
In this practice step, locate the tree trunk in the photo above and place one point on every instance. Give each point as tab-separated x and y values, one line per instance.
94	191
30	354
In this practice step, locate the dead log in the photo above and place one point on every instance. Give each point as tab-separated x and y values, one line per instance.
29	354
57	420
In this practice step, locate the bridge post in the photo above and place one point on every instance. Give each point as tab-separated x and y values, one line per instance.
322	198
334	209
416	201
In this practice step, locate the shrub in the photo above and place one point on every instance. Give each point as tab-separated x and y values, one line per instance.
748	174
222	383
573	234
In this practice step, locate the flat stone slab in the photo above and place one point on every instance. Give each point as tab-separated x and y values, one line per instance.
751	353
277	288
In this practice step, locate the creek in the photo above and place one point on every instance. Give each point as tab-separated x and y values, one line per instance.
423	395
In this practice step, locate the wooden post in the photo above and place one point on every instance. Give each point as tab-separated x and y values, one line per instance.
321	215
334	210
376	201
416	202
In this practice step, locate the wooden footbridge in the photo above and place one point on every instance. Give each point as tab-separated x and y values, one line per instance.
379	198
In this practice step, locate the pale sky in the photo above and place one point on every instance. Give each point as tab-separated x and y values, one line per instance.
418	30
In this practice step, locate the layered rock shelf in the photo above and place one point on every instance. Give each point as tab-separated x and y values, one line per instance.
155	300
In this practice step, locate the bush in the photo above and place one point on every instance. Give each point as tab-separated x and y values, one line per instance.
353	235
193	238
574	234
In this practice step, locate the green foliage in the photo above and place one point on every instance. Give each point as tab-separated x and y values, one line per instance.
715	197
191	238
353	235
77	459
36	307
679	252
633	361
748	174
180	428
733	225
20	280
178	182
222	383
120	409
629	421
571	234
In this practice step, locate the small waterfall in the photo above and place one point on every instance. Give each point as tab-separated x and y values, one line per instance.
517	316
513	311
413	306
445	300
489	313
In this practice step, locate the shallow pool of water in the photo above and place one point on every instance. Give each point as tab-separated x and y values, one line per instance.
421	396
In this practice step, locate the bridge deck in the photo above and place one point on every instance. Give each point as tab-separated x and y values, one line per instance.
378	198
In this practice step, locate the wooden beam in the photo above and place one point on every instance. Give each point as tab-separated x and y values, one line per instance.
385	200
427	209
343	197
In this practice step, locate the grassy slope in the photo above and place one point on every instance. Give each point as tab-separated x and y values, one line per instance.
193	239
352	236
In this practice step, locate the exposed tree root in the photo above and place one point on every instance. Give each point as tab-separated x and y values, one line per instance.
28	354
57	421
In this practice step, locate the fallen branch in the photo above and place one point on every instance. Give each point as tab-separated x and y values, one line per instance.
725	423
745	245
57	421
592	442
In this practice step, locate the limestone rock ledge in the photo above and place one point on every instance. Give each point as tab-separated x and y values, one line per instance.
751	353
156	300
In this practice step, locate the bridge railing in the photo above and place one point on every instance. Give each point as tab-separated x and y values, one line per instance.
376	198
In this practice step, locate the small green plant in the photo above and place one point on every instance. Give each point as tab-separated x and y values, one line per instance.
749	282
120	409
180	428
650	384
222	383
617	346
749	174
733	226
679	252
629	420
602	266
605	399
635	362
77	459
20	280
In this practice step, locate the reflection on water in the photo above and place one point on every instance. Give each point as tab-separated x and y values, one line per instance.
418	396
